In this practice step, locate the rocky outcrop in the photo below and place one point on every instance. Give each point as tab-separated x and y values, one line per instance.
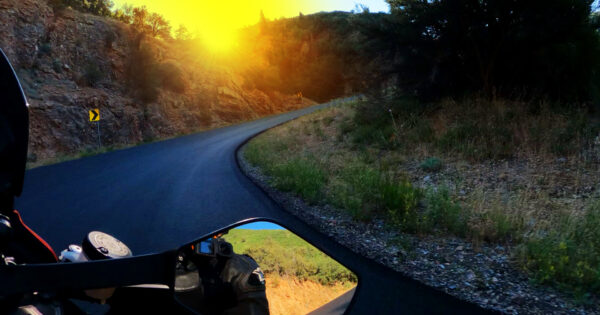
70	62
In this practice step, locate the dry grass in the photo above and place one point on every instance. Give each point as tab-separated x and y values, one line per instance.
288	296
515	193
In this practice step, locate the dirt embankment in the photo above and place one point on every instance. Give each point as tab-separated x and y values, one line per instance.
70	62
289	296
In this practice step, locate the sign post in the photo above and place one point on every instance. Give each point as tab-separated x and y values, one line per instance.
95	116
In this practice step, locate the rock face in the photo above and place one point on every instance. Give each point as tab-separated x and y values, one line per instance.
69	62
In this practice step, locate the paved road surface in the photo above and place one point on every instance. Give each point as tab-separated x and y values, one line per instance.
157	196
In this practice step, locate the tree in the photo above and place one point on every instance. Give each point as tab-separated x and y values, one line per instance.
182	33
158	26
97	7
139	15
124	14
262	22
526	47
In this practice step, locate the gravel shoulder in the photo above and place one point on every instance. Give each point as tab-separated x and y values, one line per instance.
483	274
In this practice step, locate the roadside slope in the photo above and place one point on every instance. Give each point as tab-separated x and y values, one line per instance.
314	170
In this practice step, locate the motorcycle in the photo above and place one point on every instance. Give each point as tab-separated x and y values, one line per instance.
101	275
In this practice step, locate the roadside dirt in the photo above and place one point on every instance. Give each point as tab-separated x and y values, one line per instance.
289	296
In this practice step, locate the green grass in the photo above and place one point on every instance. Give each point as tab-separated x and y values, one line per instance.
568	254
303	176
358	170
283	253
367	192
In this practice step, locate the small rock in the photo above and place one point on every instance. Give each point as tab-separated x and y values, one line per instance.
470	275
459	248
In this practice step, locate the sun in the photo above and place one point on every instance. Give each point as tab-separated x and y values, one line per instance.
219	40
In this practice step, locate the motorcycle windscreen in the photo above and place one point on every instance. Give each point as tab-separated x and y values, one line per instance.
261	268
14	132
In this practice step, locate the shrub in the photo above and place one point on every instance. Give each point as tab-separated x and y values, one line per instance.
45	49
431	164
109	39
569	254
401	200
143	73
172	77
92	73
443	212
57	66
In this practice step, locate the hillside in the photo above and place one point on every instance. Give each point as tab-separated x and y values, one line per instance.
487	208
146	88
299	277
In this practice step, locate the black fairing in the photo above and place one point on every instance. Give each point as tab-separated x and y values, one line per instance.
14	134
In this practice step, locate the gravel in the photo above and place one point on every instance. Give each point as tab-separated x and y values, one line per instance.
483	275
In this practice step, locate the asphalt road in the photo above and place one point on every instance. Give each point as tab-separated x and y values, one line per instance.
157	196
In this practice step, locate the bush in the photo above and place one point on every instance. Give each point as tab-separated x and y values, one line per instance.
431	164
172	77
401	200
92	73
569	254
109	39
45	49
57	66
443	212
143	73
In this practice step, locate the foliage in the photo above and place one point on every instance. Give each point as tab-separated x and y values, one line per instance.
312	54
182	33
144	74
281	252
534	47
431	164
109	39
443	212
92	74
96	7
568	254
45	49
474	128
144	21
366	192
172	77
157	26
57	66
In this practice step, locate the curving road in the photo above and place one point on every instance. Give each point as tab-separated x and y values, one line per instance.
157	196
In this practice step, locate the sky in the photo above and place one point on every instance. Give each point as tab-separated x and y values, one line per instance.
216	21
261	225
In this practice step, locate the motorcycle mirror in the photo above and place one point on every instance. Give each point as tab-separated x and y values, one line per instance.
14	133
260	268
